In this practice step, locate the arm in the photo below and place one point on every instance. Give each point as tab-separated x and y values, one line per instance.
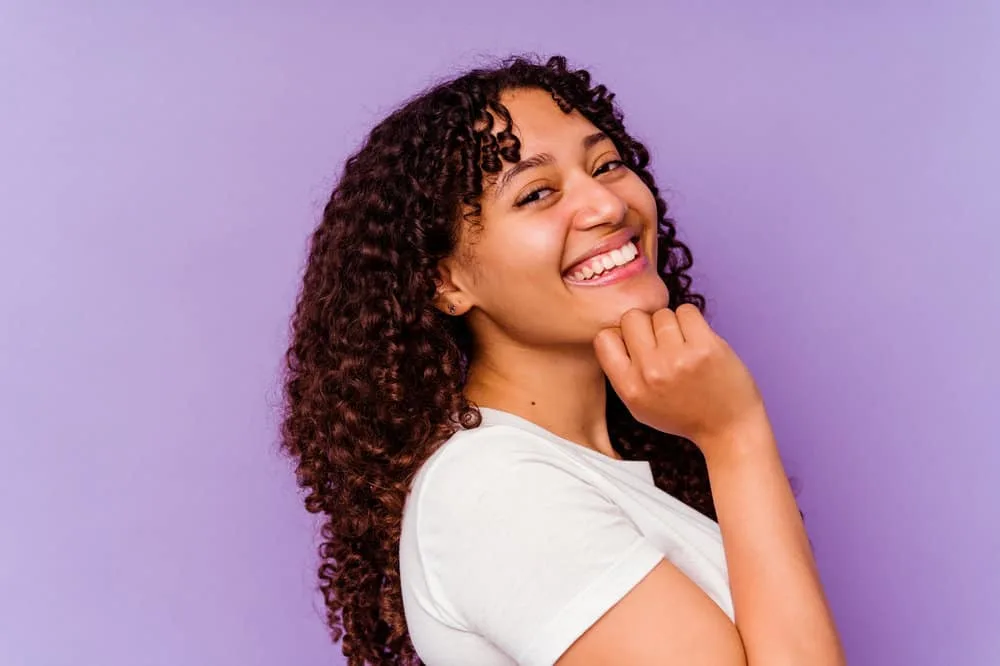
676	375
781	611
665	620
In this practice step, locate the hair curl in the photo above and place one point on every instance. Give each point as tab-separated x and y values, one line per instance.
375	374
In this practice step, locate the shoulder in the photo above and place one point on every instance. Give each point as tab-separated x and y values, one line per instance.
485	448
477	465
470	499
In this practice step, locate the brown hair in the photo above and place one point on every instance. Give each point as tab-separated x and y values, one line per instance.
375	373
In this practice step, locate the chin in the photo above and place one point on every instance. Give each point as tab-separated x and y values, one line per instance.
649	297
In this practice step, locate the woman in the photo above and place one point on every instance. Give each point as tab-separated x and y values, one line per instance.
504	400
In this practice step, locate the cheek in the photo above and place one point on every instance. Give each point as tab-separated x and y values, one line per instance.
637	197
644	201
530	251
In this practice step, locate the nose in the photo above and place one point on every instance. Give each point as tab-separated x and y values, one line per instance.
598	205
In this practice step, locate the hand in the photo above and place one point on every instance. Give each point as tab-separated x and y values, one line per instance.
675	374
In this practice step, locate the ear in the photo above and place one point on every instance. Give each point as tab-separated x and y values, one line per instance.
452	297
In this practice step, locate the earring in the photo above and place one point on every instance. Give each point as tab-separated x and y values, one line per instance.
451	309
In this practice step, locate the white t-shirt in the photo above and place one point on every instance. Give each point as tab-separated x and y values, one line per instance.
515	541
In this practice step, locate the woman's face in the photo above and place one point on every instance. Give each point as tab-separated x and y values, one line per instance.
567	241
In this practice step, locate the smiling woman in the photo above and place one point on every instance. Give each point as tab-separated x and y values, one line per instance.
505	402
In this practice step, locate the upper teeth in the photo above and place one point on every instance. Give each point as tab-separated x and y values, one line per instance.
602	262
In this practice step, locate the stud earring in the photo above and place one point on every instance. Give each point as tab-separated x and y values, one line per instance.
451	309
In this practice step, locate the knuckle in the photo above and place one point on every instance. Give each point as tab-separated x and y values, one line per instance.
632	313
628	391
713	346
688	308
685	364
603	334
704	354
694	360
666	314
654	374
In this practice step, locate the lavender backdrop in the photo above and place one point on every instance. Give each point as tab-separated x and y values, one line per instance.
832	165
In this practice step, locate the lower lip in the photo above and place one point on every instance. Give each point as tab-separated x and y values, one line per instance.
631	269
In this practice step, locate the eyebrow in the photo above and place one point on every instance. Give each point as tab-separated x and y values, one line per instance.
541	159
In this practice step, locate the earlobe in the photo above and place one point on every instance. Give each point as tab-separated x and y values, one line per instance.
449	296
449	303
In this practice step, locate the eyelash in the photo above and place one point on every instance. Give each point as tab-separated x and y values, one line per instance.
527	201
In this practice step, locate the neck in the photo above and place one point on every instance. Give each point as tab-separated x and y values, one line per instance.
560	390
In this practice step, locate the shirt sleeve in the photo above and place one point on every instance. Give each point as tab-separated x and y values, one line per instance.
522	547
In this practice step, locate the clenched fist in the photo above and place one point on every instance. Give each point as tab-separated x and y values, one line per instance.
675	374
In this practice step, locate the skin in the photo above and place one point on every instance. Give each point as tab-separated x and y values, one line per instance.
544	348
534	330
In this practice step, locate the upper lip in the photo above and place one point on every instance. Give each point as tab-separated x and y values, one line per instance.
612	242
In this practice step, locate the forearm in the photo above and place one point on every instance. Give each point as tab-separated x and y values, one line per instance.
781	611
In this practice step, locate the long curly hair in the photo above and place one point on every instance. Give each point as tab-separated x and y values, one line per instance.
375	373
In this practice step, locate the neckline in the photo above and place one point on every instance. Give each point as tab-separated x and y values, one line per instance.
493	416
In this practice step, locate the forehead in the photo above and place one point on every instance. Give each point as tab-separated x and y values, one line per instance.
539	123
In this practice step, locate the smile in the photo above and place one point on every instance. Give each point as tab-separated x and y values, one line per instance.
617	264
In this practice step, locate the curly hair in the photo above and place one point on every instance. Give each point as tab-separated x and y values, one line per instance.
375	373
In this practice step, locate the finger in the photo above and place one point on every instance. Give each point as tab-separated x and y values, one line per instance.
692	323
612	355
637	332
667	329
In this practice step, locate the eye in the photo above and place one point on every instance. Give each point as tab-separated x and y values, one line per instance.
532	197
535	195
610	165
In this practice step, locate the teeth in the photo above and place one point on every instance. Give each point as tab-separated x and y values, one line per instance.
617	257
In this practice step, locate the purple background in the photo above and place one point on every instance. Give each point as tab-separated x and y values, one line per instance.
833	165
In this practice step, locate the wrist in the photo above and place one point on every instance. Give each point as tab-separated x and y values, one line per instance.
749	436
